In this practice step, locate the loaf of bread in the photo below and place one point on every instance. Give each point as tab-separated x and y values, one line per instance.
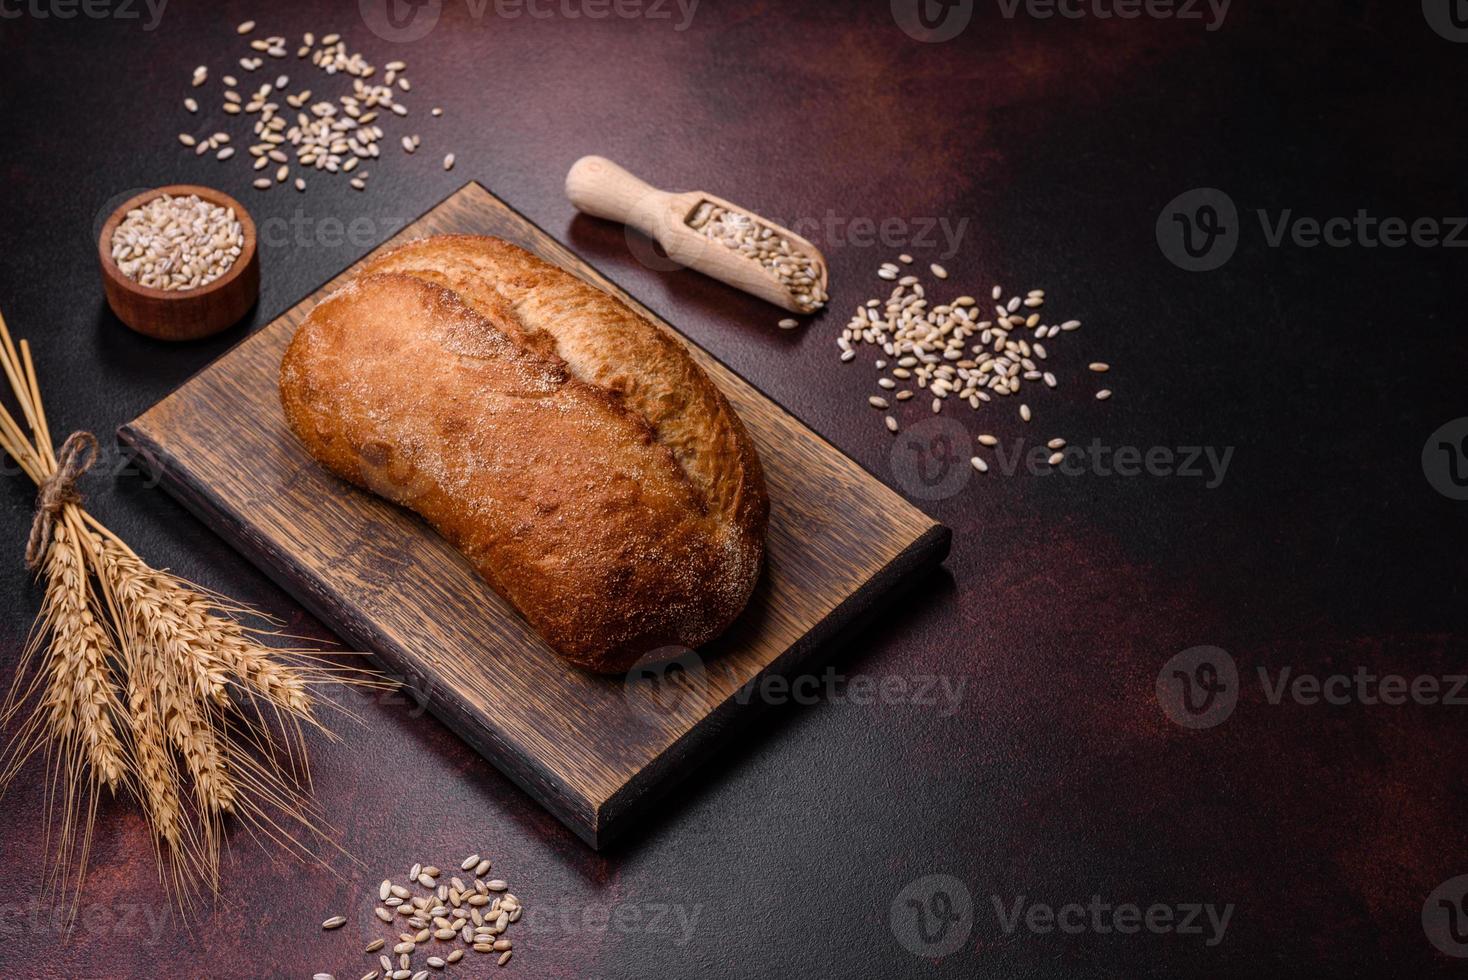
570	449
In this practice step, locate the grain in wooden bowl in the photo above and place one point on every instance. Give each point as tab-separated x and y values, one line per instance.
180	262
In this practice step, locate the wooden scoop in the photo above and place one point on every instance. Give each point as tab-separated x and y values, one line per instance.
599	187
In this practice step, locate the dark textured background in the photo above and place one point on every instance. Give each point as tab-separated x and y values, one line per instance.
1058	776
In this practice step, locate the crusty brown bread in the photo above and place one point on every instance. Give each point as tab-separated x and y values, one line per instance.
572	450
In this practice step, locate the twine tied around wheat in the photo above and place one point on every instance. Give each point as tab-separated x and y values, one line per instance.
136	681
76	455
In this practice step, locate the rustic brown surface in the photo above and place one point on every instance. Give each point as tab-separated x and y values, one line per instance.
1054	774
589	747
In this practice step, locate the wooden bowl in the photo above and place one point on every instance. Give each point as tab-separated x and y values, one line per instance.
182	314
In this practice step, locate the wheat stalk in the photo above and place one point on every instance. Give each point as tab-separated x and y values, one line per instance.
140	681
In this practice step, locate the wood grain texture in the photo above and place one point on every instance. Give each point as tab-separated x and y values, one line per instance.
601	188
593	750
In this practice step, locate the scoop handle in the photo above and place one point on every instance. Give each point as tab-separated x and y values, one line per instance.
599	187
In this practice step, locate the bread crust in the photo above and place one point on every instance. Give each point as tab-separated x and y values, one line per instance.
570	449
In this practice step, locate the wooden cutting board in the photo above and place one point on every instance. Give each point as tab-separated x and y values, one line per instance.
591	749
